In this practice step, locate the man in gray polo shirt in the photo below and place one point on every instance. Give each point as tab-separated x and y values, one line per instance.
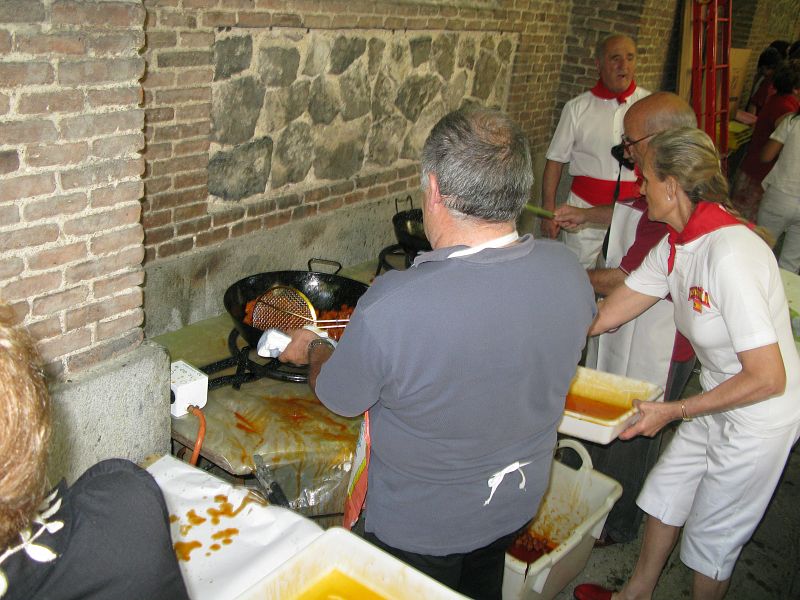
463	362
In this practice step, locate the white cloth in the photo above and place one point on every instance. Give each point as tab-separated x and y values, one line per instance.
716	480
641	348
785	174
589	126
780	213
728	298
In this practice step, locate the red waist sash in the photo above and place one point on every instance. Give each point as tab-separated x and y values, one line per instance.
600	192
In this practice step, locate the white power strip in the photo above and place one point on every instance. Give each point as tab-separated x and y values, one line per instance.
188	387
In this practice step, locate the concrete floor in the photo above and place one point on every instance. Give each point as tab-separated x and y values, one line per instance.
768	568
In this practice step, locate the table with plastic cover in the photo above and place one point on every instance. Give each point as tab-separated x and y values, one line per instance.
308	448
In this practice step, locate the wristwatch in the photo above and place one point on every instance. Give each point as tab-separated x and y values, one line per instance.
318	342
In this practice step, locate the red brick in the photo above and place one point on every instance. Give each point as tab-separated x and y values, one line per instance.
260	208
157	151
197	39
191	179
105	266
127	96
102	172
10	266
176	96
162	79
193	226
22	11
9	161
161	39
155	185
96	311
27	132
48	155
86	126
54	206
101	14
105	351
184	58
88	72
245	227
329	205
304	211
212	237
200	3
193	112
113	328
121	145
26	186
227	216
57	257
4	104
176	165
174	247
103	221
158	235
176	20
118	283
28	237
64	344
19	311
5	42
17	74
157	115
119	193
48	44
112	44
192	211
277	219
116	240
45	329
177	132
218	19
58	301
178	198
26	287
151	220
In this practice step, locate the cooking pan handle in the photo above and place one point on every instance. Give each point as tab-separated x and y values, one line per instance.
332	263
408	199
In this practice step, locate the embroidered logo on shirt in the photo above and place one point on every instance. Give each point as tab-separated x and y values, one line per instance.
699	298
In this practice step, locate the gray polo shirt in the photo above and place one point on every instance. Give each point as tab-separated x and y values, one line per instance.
464	364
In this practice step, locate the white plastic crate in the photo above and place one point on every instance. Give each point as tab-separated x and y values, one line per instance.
573	512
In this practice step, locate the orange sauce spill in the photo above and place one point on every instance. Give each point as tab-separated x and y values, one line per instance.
225	534
247	425
215	547
194	518
595	408
173	518
183	550
226	508
338	586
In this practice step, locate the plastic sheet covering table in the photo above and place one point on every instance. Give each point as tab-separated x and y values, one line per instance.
224	537
309	448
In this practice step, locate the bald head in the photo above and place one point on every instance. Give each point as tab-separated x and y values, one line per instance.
653	114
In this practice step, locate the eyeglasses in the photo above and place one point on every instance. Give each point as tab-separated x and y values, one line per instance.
628	143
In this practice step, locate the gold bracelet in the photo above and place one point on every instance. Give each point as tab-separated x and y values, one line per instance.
686	417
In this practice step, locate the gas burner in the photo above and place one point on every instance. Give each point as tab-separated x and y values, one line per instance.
248	370
393	257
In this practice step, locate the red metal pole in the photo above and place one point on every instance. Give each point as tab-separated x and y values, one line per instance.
710	121
697	61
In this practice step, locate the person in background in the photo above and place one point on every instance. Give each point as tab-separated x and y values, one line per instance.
648	347
779	212
463	362
717	475
794	50
769	60
747	189
105	537
590	125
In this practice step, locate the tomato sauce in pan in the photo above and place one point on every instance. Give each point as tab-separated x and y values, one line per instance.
595	408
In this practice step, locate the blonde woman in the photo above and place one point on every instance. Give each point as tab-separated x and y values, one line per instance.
718	474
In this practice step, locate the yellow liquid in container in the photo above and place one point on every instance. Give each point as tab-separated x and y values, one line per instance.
335	585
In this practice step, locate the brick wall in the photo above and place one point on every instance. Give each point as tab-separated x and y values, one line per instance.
70	132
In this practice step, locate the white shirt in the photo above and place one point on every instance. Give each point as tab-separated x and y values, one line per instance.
785	174
728	298
588	128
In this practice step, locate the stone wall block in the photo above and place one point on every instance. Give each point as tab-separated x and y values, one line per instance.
278	66
418	132
294	152
232	55
241	172
466	53
344	52
415	94
324	100
375	48
386	139
383	96
420	50
235	109
340	149
485	75
354	89
319	50
444	57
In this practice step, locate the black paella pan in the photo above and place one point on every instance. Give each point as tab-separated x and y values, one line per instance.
409	230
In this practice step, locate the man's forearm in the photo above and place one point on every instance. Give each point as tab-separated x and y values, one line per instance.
605	281
318	355
550	179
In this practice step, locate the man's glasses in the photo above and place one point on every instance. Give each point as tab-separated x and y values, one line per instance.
620	149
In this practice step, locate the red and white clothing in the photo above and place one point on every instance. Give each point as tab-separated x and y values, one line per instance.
719	472
640	348
589	126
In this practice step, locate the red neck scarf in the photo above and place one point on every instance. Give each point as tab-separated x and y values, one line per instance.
707	217
601	91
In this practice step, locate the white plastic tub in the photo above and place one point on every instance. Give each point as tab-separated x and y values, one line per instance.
572	514
341	550
609	389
